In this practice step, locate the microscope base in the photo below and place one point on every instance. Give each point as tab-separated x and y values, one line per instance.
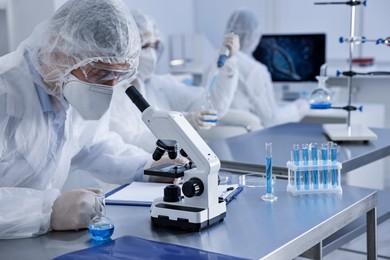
180	216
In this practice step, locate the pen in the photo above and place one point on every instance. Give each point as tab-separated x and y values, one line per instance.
234	194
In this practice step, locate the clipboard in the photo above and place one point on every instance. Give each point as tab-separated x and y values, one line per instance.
143	193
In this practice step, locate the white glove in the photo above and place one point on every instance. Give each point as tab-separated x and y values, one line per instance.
302	107
74	209
232	42
202	120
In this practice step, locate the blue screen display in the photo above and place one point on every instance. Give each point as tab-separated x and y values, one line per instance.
292	57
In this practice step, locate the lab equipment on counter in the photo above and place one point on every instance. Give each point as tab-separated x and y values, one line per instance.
254	180
269	194
308	175
321	97
347	132
207	105
200	206
359	40
351	3
101	227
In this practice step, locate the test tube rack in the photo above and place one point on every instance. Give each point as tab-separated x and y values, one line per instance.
314	178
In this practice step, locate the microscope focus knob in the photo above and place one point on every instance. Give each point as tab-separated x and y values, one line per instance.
193	187
172	193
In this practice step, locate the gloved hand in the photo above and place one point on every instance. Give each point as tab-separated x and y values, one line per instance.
179	160
302	106
74	209
232	42
202	120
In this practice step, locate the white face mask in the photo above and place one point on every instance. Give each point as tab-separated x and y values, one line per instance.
147	63
90	100
251	46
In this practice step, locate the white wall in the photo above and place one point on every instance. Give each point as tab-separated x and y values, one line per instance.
286	16
212	16
3	32
376	25
209	17
23	16
171	16
304	16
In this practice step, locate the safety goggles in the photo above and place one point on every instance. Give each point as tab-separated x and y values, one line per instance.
157	46
100	73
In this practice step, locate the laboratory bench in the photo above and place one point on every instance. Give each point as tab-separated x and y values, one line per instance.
252	228
247	152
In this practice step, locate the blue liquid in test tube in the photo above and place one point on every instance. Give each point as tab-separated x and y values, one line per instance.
269	196
296	162
305	157
333	157
268	161
314	157
324	157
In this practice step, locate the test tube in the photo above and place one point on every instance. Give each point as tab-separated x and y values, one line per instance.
269	196
333	156
296	162
324	157
314	157
305	159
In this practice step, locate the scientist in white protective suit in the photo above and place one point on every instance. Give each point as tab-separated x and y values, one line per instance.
59	78
255	92
164	92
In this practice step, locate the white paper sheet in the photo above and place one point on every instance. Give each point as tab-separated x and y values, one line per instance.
143	193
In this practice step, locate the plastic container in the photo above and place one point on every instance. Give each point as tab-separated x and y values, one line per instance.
321	178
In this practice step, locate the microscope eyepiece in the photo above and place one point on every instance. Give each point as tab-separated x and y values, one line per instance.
137	98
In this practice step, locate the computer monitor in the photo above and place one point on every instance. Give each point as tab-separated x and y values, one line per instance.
292	57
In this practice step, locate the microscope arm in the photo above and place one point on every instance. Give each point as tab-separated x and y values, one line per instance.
173	126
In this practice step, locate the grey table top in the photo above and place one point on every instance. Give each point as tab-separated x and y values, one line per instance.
252	228
247	152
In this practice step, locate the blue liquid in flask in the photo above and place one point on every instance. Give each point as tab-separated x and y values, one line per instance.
101	232
101	227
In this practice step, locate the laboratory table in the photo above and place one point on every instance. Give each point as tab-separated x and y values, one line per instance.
252	229
247	152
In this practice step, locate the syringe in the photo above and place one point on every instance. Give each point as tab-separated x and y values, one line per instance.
224	54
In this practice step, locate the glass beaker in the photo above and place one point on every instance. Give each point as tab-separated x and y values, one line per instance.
101	227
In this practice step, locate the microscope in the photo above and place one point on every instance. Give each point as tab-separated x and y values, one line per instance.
200	206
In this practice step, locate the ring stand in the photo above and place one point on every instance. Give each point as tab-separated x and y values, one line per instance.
348	132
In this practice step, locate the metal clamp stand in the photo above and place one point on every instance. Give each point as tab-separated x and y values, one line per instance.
348	132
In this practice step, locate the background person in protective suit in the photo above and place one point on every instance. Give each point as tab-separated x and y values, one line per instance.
166	93
255	92
53	88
